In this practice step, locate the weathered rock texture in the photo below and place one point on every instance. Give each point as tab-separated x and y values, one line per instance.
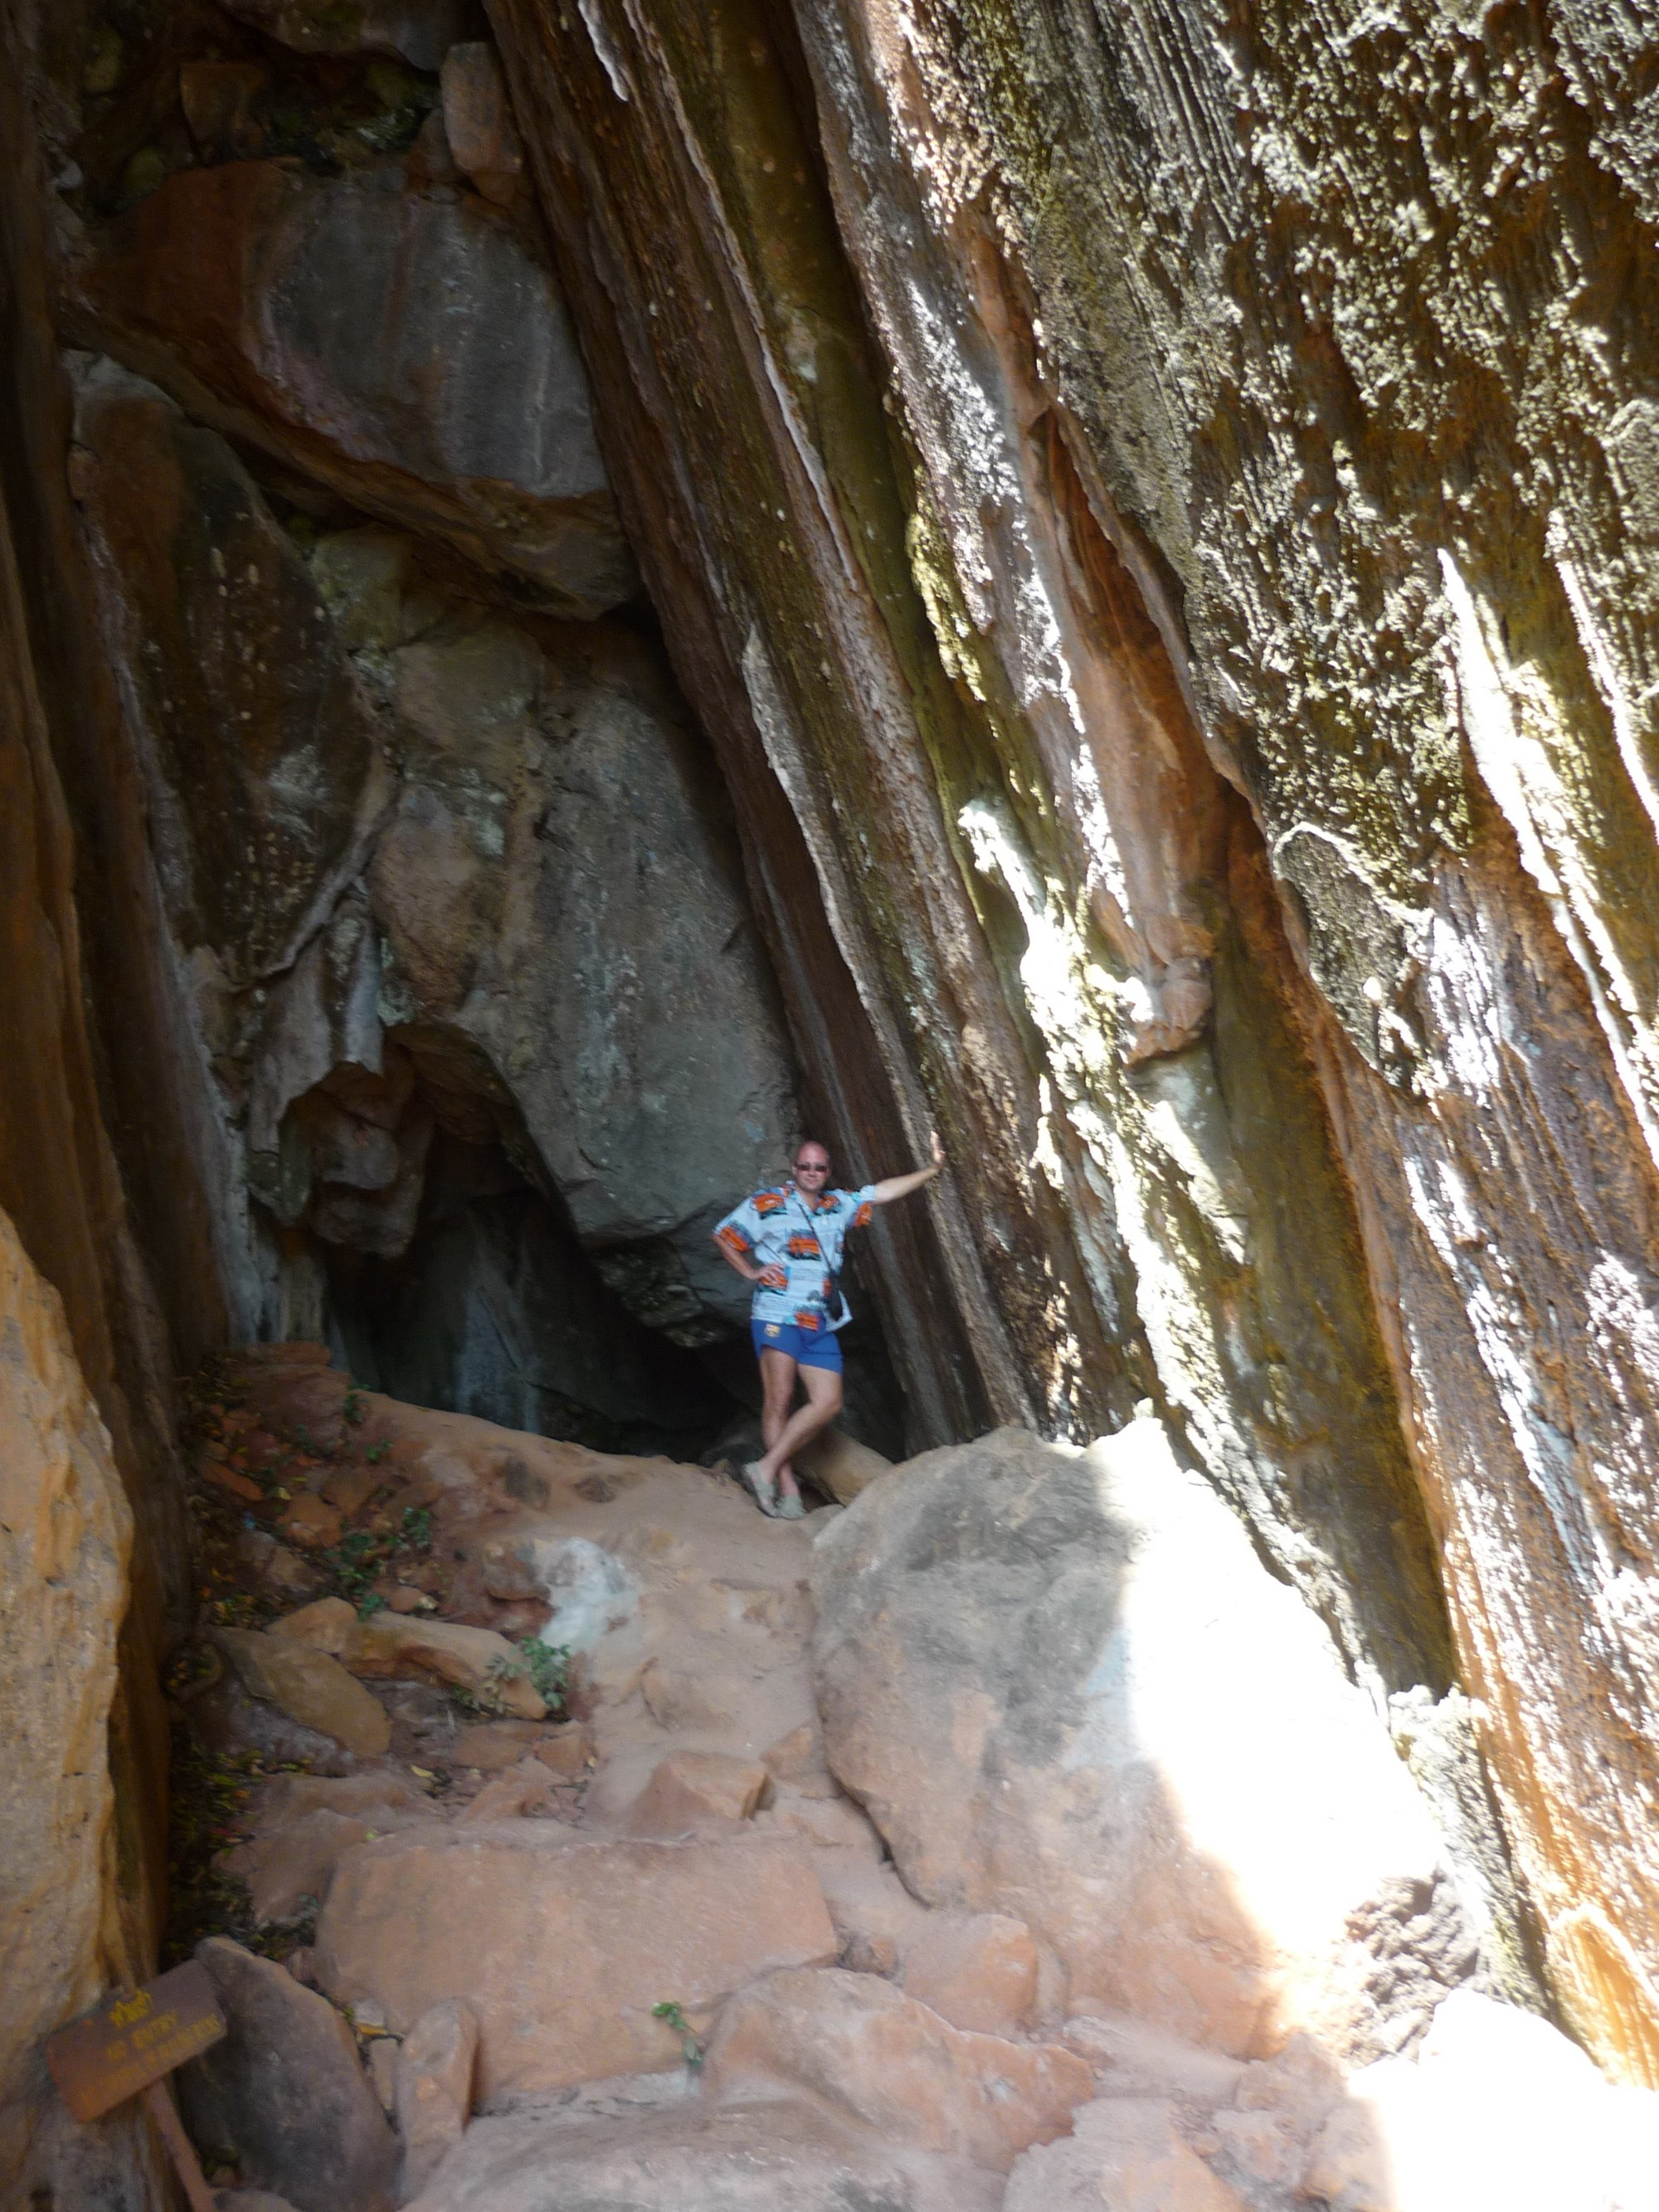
1156	516
65	1536
1065	1692
407	349
478	999
1216	693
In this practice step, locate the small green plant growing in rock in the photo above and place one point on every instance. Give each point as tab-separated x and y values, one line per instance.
377	1452
352	1409
548	1666
545	1667
691	2041
355	1560
417	1529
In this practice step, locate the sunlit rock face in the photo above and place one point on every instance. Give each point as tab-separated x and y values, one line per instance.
68	1530
1172	506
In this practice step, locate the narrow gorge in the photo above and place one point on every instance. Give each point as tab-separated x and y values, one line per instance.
590	587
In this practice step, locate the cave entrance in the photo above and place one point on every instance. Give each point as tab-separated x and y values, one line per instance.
445	1269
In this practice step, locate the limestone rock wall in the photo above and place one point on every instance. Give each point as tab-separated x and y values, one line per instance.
1206	643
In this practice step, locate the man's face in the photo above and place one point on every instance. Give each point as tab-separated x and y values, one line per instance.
812	1167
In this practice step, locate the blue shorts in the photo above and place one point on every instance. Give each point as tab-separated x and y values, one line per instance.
808	1347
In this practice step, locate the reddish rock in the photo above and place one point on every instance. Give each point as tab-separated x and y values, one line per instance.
864	2046
217	100
432	2087
691	2157
563	1946
311	1522
297	1861
699	1788
310	1687
475	1660
798	1759
227	1479
327	1624
493	1746
526	1788
351	1488
407	349
483	140
1125	2152
978	1973
569	1752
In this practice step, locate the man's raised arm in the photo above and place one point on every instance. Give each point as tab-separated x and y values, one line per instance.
884	1193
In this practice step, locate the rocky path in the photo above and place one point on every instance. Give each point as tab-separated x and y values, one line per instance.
1131	1885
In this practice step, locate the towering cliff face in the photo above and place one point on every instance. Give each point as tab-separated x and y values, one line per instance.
1089	583
1264	443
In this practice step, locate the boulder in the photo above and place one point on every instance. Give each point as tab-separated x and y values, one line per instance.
1066	1690
286	1866
493	1746
432	2087
285	2092
312	1687
798	1759
1124	2152
562	1945
477	1659
840	1465
569	1753
1496	2108
876	2055
483	139
521	1789
978	1973
229	1723
412	351
288	1797
311	1522
693	2160
699	1788
327	1624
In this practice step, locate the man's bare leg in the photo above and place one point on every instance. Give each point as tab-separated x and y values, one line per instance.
823	1404
778	1372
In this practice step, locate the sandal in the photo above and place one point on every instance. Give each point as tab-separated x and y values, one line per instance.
763	1493
789	1508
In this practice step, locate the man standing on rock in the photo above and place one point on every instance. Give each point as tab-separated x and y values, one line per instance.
789	1243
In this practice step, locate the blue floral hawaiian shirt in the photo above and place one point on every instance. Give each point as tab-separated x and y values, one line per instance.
806	1236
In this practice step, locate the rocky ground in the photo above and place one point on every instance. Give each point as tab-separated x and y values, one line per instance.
520	1775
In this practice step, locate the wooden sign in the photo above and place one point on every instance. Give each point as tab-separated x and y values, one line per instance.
133	2040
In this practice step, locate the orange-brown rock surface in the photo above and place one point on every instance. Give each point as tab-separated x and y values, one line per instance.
583	589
